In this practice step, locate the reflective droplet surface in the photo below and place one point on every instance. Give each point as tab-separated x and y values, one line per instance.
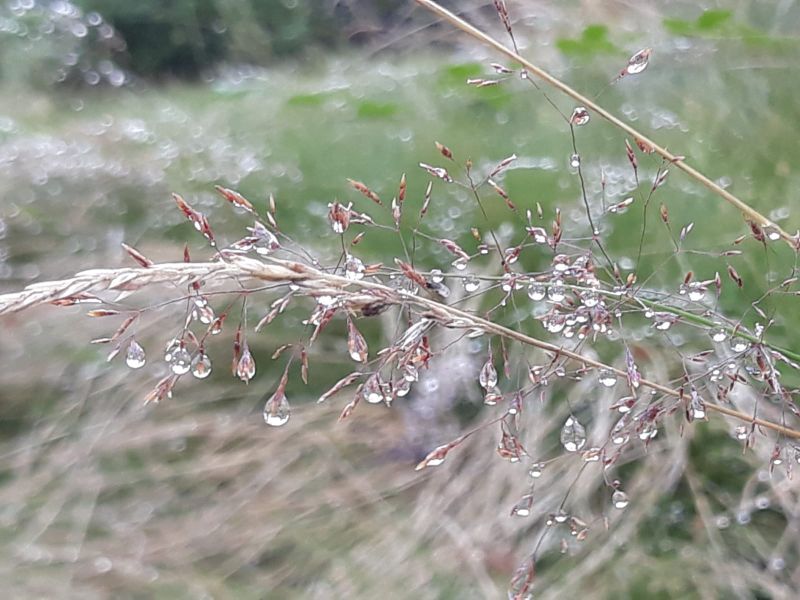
535	470
575	161
573	435
638	62
354	268
718	334
201	365
277	410
437	276
619	499
607	378
488	375
580	116
523	507
181	361
471	283
135	356
536	291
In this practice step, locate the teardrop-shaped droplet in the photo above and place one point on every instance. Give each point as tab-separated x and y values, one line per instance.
607	378
619	499
575	161
638	62
573	435
460	263
354	268
536	291
172	346
437	276
135	357
356	344
372	390
718	334
535	470
471	283
488	375
492	397
580	116
739	344
401	387
201	365
181	361
277	410
523	507
556	291
246	367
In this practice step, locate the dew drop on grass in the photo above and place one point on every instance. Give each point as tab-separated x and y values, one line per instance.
523	507
740	432
619	499
718	334
536	291
172	346
607	378
638	62
201	365
436	276
277	411
573	435
135	357
471	283
181	361
739	344
575	161
488	376
536	469
353	268
460	264
556	291
580	116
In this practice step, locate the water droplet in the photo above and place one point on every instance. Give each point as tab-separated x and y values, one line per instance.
575	161
590	299
523	507
591	455
246	367
436	276
135	357
172	346
580	116
718	334
201	365
573	435
638	62
619	499
277	410
402	387
373	393
471	283
488	375
739	344
354	268
648	432
460	263
607	378
492	397
536	291
556	291
181	361
536	469
740	432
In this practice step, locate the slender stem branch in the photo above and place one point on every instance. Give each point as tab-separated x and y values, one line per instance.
748	212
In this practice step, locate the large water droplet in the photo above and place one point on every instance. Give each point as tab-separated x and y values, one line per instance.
523	507
556	291
718	334
619	499
607	378
739	344
471	283
201	365
536	291
573	435
638	62
135	357
535	470
488	375
277	410
181	361
354	268
580	116
436	276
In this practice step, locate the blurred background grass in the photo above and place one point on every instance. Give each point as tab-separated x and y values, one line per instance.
106	107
